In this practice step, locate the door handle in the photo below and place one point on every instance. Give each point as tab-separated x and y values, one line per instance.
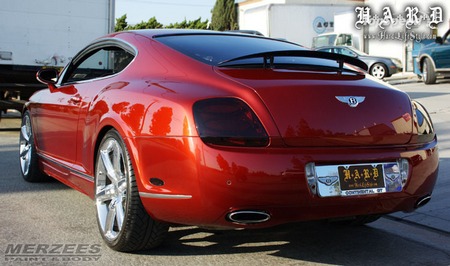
75	99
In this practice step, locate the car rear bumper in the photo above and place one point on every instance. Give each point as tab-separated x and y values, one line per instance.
203	185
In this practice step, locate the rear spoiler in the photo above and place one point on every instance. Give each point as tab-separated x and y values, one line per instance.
268	58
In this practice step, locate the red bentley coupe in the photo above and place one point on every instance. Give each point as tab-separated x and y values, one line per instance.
224	130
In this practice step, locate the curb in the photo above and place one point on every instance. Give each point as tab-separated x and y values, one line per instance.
403	78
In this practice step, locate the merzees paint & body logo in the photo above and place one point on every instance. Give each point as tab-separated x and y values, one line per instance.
51	253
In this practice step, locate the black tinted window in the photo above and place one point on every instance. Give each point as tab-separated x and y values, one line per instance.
213	49
100	63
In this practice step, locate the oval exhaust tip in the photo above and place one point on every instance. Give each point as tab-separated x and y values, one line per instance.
248	217
422	201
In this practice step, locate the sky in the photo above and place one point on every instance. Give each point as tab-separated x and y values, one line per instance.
165	11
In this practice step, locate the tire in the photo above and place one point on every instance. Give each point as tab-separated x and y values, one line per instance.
379	71
122	219
29	162
429	75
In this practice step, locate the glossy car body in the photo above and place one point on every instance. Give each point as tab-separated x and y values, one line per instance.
225	138
434	59
379	67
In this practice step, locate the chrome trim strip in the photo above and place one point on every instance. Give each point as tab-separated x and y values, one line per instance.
163	196
80	174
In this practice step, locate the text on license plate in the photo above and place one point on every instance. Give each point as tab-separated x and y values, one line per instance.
361	177
357	179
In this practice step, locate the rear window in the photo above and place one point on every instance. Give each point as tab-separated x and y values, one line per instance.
213	49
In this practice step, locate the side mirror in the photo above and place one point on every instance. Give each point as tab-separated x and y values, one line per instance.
47	76
439	40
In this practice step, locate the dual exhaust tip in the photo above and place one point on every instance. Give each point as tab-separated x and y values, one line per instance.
256	217
248	217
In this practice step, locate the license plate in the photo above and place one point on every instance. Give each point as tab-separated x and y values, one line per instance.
362	178
357	179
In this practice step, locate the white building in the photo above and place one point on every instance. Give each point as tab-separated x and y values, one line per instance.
294	20
301	20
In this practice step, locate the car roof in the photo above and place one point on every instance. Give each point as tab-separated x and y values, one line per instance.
150	33
332	46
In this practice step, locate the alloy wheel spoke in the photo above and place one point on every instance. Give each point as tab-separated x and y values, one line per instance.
24	166
110	171
25	150
119	213
105	194
110	218
122	185
117	156
24	131
111	188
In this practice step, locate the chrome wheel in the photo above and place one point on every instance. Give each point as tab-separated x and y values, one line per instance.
28	158
378	71
25	146
122	219
111	188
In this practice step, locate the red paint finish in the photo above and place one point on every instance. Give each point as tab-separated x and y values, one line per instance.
150	103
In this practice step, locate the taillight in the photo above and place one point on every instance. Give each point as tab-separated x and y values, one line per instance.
228	122
422	123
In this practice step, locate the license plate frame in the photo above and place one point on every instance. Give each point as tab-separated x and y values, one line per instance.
357	179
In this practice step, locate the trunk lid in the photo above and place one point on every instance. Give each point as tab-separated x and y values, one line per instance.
330	109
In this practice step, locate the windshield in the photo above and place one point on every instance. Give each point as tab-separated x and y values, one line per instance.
325	40
213	49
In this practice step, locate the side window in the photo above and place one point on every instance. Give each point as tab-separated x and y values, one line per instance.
347	52
102	62
328	50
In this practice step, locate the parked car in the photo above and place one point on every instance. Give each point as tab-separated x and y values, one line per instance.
379	67
224	130
434	59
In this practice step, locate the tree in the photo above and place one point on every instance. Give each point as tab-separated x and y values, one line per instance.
152	23
192	24
224	16
121	23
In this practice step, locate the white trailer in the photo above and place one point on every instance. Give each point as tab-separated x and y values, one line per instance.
296	21
35	34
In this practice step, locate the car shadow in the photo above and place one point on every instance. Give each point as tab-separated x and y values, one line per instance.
443	81
319	241
316	242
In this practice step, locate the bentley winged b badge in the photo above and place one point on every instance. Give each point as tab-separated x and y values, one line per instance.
352	101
